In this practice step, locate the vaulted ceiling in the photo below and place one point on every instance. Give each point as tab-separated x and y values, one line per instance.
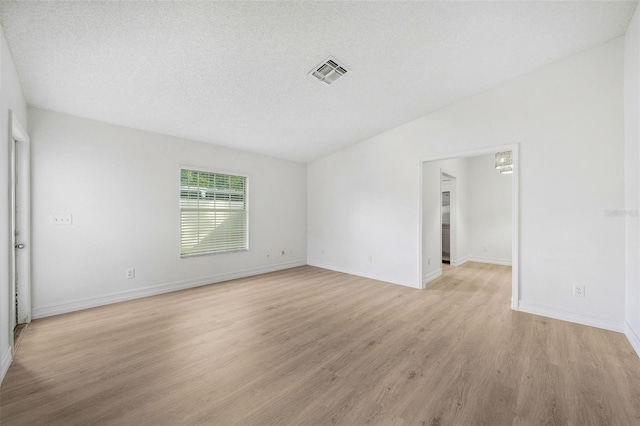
236	73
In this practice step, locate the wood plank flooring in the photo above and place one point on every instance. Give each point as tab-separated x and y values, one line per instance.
309	346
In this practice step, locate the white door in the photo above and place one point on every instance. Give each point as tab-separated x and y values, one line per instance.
15	234
20	264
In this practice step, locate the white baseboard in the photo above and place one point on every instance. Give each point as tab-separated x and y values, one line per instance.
460	261
571	316
633	337
365	274
5	364
491	260
431	276
122	296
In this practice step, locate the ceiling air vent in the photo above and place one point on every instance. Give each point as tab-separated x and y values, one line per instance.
329	71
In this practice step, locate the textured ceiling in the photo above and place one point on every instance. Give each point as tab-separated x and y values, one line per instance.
235	73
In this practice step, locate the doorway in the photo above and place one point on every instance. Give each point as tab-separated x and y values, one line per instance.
485	205
448	217
20	219
446	226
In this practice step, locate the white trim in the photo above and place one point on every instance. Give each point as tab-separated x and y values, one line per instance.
439	258
515	211
633	337
420	220
515	230
572	316
5	364
122	296
430	277
407	282
460	262
214	170
490	260
471	153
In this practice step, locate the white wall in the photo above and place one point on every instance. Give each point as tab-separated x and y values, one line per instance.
567	118
122	187
489	217
10	99
353	213
632	179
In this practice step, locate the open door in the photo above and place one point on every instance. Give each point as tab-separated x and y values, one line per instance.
20	210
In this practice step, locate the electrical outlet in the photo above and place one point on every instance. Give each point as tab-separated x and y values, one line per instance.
61	219
131	273
370	258
486	248
578	290
282	252
268	255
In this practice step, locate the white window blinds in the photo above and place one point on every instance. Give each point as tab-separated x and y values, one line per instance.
213	212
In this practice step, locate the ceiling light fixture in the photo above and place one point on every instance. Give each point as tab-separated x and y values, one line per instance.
504	162
328	71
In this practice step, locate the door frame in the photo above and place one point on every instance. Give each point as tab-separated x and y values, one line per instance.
22	170
515	211
453	220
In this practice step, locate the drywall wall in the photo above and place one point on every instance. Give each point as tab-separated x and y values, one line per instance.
489	211
10	99
431	230
632	180
121	187
355	214
568	120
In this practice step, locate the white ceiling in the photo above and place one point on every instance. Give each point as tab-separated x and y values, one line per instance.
235	73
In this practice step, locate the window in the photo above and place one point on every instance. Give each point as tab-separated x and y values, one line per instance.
213	212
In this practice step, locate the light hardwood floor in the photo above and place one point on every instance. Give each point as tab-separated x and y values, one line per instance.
309	346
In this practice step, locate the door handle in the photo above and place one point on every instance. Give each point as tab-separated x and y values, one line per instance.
19	246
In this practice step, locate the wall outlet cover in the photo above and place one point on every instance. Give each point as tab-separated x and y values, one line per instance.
61	219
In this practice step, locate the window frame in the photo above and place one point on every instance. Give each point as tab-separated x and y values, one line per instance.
247	210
